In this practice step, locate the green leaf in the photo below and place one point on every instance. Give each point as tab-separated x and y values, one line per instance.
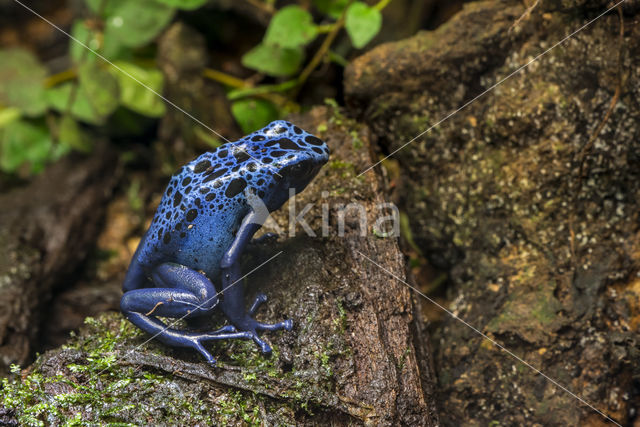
273	60
58	100
136	23
8	115
292	26
82	33
362	23
184	4
132	80
71	134
100	86
22	82
110	48
108	6
22	142
252	114
332	8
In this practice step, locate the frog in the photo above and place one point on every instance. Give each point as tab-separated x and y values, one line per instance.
187	264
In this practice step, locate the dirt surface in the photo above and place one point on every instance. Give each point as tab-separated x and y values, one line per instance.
528	199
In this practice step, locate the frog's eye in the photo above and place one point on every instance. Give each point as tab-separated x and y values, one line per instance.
301	168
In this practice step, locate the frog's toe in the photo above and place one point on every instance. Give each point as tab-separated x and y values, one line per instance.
225	329
260	299
287	325
265	348
203	351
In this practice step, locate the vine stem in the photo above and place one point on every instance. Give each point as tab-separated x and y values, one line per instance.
61	77
225	79
83	57
245	89
381	4
324	48
326	44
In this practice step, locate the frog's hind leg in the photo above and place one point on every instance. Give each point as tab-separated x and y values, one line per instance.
180	293
287	325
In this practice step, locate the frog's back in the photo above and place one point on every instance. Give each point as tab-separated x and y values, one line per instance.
206	200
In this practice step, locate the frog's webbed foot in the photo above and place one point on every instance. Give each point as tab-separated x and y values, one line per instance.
198	342
252	326
287	325
181	293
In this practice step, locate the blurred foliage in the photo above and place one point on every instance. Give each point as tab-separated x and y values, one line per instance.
112	79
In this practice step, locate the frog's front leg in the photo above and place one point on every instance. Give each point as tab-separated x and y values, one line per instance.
233	300
180	292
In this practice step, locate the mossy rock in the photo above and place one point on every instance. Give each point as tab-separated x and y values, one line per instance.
351	358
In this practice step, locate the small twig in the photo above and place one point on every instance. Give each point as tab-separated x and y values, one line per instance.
268	8
587	148
524	16
572	241
614	101
324	48
154	308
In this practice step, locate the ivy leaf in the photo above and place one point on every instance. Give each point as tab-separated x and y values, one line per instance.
133	94
252	114
100	86
362	23
22	82
109	6
292	26
71	134
332	8
136	23
81	109
82	33
184	4
109	47
22	142
273	60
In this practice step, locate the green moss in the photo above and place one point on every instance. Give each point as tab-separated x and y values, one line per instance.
336	115
235	406
400	364
545	308
356	142
341	321
340	164
94	387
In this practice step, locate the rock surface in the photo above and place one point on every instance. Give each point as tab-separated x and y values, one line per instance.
46	229
529	198
356	354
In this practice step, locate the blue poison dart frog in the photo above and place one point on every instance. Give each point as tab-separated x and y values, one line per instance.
190	254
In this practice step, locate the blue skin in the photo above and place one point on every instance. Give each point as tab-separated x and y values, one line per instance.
202	227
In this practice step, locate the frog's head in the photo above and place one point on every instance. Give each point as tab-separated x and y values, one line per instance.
292	155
